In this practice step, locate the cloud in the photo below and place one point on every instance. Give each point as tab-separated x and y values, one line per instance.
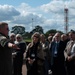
49	16
56	9
7	12
53	6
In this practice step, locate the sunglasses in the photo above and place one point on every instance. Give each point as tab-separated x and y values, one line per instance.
7	29
36	36
18	38
12	36
57	36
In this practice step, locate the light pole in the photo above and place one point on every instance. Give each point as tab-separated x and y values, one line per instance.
32	23
66	19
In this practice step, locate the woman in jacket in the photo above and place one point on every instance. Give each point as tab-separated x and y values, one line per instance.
18	58
34	56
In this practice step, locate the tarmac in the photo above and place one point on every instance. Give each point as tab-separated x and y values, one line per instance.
24	70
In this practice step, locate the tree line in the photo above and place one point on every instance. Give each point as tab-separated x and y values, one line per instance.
21	30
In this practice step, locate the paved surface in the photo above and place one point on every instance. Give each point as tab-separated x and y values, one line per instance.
24	70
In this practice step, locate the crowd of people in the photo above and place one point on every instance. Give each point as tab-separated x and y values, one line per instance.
54	55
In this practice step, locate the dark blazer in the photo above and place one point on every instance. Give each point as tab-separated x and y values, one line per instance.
57	63
18	59
60	53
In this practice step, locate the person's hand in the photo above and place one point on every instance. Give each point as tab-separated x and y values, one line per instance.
15	46
30	61
69	58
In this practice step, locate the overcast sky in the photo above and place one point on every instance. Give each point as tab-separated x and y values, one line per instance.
29	13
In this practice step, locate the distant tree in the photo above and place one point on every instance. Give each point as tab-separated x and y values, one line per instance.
27	35
18	30
60	32
37	29
52	32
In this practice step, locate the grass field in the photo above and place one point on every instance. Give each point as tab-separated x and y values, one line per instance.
27	40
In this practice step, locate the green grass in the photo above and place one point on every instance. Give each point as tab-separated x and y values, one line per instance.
27	40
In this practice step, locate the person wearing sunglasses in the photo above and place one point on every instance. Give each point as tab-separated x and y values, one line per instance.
35	56
18	59
5	50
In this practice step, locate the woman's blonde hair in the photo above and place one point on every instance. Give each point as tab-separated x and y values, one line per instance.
36	34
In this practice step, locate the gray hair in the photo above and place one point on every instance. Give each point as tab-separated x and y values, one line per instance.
12	34
19	35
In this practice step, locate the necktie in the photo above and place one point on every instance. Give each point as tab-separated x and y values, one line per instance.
56	49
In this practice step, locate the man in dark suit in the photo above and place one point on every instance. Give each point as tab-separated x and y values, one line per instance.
57	56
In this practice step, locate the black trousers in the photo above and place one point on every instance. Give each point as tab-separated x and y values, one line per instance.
70	66
58	67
